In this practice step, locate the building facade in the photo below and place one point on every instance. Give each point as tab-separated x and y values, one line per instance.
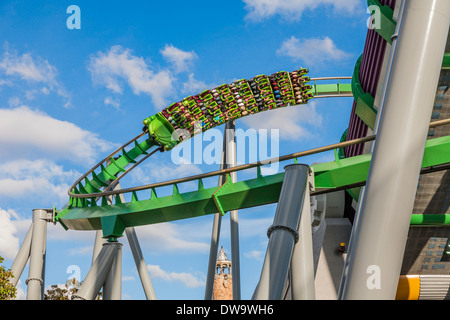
223	289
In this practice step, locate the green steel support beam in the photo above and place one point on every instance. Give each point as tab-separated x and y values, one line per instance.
385	27
112	226
337	88
446	61
230	196
430	220
364	101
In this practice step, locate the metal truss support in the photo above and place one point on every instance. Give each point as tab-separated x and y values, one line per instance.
22	257
283	234
36	272
379	235
228	160
140	264
302	263
112	288
138	258
234	224
99	272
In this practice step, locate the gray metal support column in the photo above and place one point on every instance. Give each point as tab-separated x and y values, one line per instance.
35	281
283	234
140	264
215	233
138	258
379	237
112	289
22	257
302	264
379	100
234	224
98	244
98	272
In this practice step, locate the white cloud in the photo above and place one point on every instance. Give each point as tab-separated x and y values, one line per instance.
194	86
109	101
38	177
81	251
128	278
292	10
31	133
180	59
289	120
45	91
119	65
312	51
14	102
33	70
4	82
168	237
9	242
20	294
27	68
188	279
255	254
146	174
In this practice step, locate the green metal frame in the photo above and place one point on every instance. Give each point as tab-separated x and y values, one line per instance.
386	23
108	173
446	61
262	190
364	101
337	88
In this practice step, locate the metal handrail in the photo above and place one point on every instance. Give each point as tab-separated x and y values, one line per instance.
246	166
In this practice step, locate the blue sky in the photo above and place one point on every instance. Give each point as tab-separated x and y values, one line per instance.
68	97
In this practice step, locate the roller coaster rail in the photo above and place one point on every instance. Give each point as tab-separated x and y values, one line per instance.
291	156
381	226
318	91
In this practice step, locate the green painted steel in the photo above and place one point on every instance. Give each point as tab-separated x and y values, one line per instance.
385	27
446	61
337	88
99	213
160	134
430	220
230	196
227	102
106	174
194	114
364	101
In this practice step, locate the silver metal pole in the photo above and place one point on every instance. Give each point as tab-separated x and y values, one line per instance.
283	234
215	235
112	289
379	241
379	100
302	264
140	264
22	257
234	224
99	241
138	258
35	282
98	272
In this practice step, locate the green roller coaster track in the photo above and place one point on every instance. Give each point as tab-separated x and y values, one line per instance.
95	205
113	218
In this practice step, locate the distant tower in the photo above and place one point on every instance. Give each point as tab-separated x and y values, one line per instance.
223	289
